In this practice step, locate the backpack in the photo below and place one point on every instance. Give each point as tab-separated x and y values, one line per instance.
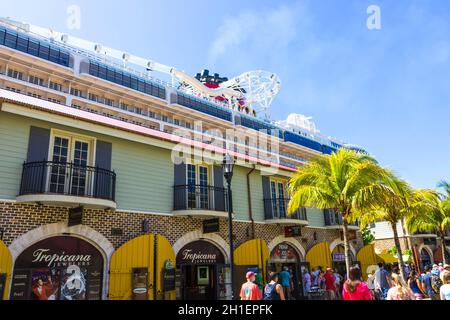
436	283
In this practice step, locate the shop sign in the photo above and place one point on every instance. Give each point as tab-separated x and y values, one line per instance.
75	216
199	252
292	232
284	253
211	226
20	285
168	276
140	283
62	267
338	257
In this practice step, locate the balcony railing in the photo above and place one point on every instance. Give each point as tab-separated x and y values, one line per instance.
277	209
333	218
61	178
199	197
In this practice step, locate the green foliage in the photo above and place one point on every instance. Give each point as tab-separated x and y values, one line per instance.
367	236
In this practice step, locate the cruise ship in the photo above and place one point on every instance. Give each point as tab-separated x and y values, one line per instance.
93	192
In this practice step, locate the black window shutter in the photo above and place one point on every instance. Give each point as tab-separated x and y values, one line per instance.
219	191
38	144
180	188
103	154
267	198
102	176
327	216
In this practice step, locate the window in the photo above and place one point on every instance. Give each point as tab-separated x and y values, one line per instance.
138	110
76	92
93	97
44	51
198	186
124	106
54	100
278	192
54	86
35	95
15	74
36	80
22	44
13	89
109	102
76	150
176	121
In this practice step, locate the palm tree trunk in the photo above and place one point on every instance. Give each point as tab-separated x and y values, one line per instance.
346	246
443	248
401	264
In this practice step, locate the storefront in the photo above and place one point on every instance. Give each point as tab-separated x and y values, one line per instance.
338	258
425	259
285	255
58	268
201	272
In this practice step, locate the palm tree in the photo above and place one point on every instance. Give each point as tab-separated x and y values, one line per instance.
343	181
435	216
444	185
397	200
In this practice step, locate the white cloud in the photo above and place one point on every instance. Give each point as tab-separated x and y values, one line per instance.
266	30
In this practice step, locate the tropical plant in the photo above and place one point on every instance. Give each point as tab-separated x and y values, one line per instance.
367	235
343	181
444	185
433	216
396	201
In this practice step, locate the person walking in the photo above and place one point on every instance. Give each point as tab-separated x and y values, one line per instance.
273	290
250	290
338	281
330	284
445	289
371	285
315	275
306	282
382	281
354	288
285	281
426	280
415	285
400	290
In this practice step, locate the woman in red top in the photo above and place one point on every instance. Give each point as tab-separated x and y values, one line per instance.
354	288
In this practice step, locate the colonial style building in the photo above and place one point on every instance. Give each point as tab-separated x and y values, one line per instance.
111	184
425	246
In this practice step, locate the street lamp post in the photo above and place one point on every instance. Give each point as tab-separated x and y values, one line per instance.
228	164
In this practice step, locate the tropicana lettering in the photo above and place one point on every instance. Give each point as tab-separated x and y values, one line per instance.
187	255
41	256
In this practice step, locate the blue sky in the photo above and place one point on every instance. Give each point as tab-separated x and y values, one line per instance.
387	90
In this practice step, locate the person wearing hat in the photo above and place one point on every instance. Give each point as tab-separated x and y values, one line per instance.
249	290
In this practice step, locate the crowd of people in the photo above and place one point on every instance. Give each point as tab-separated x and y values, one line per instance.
385	283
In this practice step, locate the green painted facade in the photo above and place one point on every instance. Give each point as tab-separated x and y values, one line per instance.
145	174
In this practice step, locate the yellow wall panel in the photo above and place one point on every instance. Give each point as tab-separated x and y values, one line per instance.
368	259
253	252
136	253
5	266
319	255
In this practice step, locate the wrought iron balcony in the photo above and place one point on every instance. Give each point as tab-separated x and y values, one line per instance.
54	182
276	210
199	197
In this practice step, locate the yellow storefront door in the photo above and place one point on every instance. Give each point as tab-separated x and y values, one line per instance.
5	270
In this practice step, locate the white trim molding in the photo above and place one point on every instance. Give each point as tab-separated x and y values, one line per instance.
60	228
428	249
337	242
197	235
295	243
